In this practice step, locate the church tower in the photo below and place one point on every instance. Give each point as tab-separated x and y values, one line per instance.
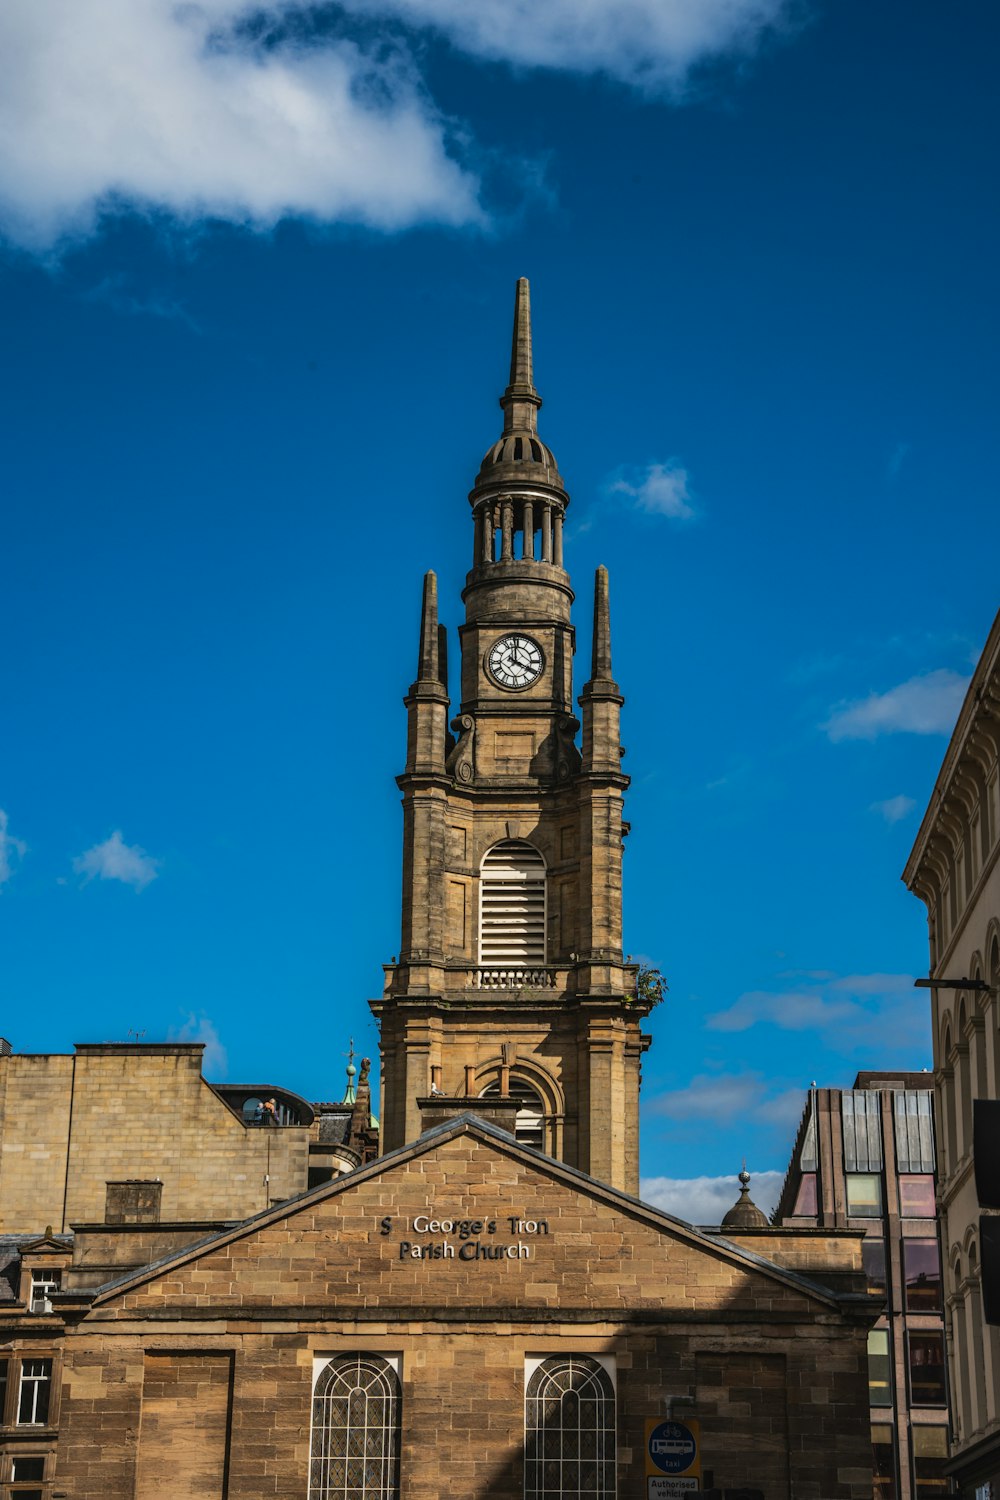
511	983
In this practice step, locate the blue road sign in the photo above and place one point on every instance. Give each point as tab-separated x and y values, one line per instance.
672	1447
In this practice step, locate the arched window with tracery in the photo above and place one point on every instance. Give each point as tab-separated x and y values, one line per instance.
512	906
355	1430
569	1428
529	1122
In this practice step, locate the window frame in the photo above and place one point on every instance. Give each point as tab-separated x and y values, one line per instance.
43	1280
885	1486
904	1180
388	1369
889	1402
873	1210
928	1334
601	1371
490	881
922	1307
873	1246
40	1382
939	1482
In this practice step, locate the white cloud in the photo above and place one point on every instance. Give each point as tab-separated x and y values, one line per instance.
254	110
921	705
659	490
704	1200
856	1012
723	1097
200	1029
163	106
653	45
893	809
11	849
116	860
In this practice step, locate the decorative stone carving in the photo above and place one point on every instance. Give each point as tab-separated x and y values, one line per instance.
461	762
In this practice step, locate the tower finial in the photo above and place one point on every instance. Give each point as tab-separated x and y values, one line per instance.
600	665
428	665
520	401
520	349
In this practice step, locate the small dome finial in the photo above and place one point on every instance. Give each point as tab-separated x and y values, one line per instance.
744	1213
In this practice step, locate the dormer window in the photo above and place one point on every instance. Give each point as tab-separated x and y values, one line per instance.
44	1282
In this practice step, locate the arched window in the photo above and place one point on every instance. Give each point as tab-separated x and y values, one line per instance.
355	1430
512	906
569	1428
529	1122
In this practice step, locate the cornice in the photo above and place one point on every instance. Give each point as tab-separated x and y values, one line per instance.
978	716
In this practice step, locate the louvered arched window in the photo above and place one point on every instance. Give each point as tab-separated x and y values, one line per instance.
529	1122
355	1430
512	906
569	1431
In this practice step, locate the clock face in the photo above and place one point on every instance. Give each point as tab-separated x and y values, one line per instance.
515	661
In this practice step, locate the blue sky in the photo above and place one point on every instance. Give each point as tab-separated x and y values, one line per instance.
256	279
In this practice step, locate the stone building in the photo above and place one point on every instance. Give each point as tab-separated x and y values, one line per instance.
954	868
116	1130
485	1309
864	1159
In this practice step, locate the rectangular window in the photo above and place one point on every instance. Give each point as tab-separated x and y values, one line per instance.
926	1351
806	1198
43	1284
930	1449
879	1368
922	1275
883	1461
916	1196
33	1399
4	1371
864	1195
873	1260
29	1468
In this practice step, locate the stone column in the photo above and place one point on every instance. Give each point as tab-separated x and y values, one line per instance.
557	555
546	532
488	539
479	521
507	521
528	550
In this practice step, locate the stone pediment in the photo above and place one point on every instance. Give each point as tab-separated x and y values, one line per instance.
465	1223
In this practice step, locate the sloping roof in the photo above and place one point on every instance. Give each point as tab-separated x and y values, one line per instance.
498	1140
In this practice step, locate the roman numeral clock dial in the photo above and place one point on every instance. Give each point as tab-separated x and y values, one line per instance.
515	661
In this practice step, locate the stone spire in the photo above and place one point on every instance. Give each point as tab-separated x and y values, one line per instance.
428	665
427	700
600	658
520	457
520	401
601	698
